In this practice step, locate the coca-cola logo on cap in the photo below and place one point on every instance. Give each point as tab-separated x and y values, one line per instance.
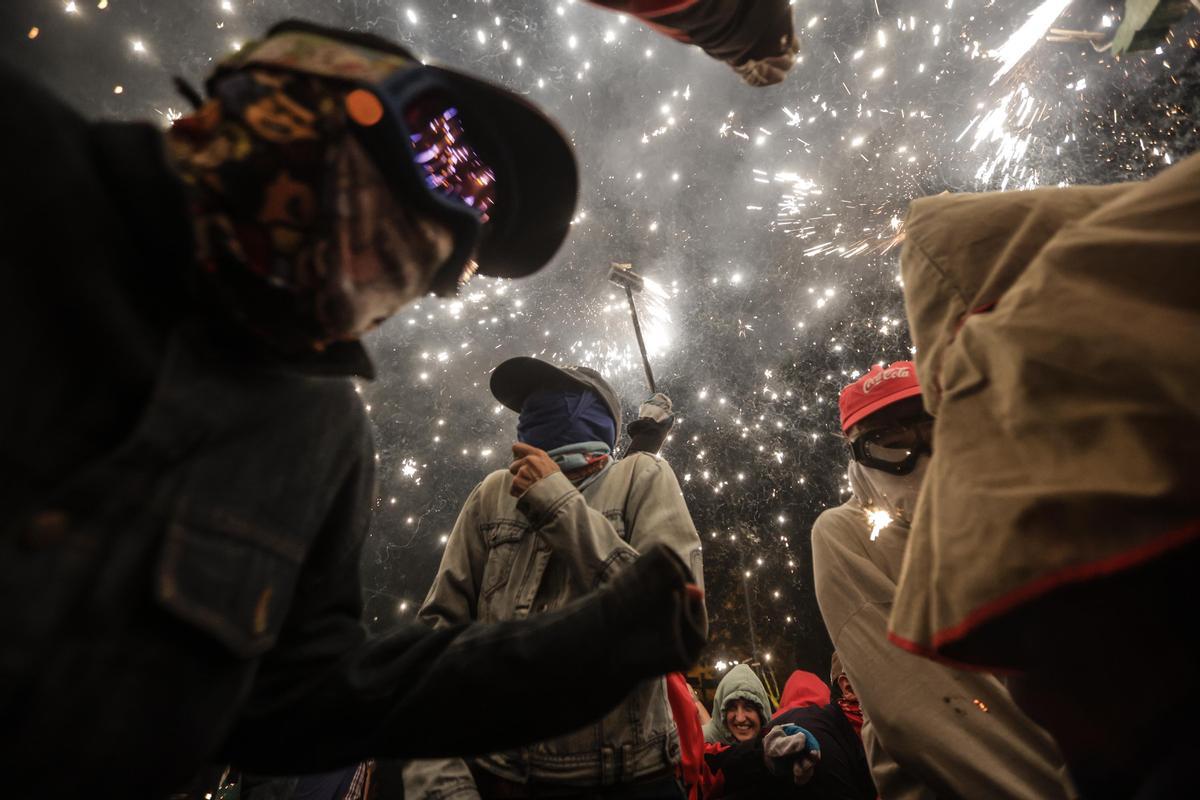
885	375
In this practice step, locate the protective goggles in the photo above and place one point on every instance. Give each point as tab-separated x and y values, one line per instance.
896	448
408	121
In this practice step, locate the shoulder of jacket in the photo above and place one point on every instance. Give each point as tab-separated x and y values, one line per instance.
493	482
848	513
640	463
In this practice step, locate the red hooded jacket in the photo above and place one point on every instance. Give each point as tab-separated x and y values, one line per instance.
803	689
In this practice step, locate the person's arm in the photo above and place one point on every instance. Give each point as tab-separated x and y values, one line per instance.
455	591
657	514
932	737
648	432
328	694
755	37
451	600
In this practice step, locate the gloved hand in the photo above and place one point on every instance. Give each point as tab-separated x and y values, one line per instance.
791	750
654	615
655	419
770	69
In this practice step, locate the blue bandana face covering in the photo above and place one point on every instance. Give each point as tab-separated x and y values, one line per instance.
553	419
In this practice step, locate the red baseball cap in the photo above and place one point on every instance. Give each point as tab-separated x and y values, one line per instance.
878	389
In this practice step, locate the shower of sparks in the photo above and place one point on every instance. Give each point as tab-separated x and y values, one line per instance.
879	519
1005	127
1022	41
766	232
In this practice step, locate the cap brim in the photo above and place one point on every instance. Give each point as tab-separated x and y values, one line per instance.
537	179
882	403
517	378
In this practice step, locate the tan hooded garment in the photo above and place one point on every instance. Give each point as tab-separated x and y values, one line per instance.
1058	343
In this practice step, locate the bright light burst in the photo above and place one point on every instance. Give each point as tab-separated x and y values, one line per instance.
879	519
1022	41
752	331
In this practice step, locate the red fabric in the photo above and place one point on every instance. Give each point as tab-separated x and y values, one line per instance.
697	777
878	389
852	711
715	781
649	8
803	689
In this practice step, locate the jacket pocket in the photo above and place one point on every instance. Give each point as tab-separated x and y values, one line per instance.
503	540
230	577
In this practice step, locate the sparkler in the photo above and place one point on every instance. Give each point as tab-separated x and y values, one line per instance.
879	519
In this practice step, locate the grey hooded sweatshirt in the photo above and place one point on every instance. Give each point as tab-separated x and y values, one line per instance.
740	683
929	730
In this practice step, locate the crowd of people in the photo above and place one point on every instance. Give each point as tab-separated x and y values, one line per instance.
188	474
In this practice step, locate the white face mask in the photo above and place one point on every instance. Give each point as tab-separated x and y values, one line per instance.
883	491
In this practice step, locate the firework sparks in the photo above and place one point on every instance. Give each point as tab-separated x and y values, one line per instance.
878	519
1022	41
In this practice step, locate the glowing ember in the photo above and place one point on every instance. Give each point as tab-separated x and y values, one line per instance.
879	520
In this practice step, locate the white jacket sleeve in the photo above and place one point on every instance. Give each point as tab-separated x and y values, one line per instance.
933	731
454	594
451	600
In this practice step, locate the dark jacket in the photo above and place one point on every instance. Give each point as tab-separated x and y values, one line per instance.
728	30
182	514
841	774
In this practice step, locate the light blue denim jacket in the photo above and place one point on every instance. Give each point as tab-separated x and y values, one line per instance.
507	559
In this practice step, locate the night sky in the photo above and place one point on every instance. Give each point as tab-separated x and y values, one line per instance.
766	219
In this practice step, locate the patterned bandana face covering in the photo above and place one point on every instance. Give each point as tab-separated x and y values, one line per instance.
299	233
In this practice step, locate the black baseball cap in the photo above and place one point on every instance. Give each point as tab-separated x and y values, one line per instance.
517	378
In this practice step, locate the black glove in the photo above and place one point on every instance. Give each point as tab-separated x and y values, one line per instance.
655	420
654	615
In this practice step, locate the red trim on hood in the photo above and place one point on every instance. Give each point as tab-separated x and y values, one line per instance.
648	10
658	8
1034	589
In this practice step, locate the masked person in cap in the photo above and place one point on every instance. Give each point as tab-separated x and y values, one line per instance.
564	519
930	730
187	470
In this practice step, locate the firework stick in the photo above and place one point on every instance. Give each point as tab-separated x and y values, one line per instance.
624	276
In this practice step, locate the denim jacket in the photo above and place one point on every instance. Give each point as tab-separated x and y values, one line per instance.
508	559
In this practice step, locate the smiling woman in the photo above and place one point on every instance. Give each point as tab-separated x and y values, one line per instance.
744	719
741	707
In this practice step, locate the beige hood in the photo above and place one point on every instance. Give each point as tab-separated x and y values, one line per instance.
1067	407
